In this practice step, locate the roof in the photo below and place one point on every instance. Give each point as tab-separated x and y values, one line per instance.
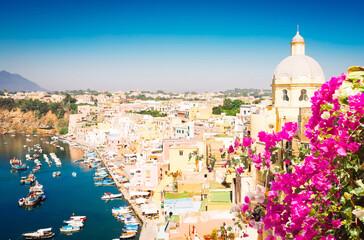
298	38
297	65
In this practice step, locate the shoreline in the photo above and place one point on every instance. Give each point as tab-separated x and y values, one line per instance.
145	223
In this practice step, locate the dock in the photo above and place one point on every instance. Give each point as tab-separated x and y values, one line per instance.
149	228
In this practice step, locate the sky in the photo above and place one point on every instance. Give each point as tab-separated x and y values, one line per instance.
175	46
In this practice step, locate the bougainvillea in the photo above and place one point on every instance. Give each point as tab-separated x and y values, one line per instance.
320	195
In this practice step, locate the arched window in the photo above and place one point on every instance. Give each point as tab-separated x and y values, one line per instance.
303	96
285	95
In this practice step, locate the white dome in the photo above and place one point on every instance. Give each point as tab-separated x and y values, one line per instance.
297	65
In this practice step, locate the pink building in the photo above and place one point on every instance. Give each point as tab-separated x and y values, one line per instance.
144	177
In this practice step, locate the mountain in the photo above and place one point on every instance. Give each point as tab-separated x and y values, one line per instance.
16	83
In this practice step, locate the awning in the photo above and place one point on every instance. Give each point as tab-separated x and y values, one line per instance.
140	201
133	194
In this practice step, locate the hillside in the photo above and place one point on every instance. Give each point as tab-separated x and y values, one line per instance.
17	83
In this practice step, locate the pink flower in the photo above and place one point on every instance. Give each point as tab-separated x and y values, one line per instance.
221	149
231	149
236	144
245	235
287	161
245	208
260	231
247	142
240	170
336	223
246	199
271	237
272	194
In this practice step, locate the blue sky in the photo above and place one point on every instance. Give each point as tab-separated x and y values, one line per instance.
172	45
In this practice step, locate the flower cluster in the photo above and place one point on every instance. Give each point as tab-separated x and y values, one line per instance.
304	203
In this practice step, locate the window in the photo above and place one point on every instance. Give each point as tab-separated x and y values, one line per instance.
303	96
285	95
181	153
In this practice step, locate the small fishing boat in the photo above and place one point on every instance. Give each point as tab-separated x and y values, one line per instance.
17	164
56	174
127	235
100	177
39	234
108	182
109	195
28	180
83	218
78	160
76	223
74	174
69	229
36	168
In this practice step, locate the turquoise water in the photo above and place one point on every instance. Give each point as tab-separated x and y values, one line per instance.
65	195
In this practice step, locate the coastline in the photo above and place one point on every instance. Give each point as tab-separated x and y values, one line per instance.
148	227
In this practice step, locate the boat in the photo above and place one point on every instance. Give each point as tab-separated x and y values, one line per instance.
44	233
31	200
74	174
109	195
69	229
108	182
28	180
76	223
83	218
56	174
121	211
78	160
127	235
36	168
100	177
17	164
21	202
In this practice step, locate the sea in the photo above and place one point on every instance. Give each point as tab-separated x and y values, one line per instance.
65	195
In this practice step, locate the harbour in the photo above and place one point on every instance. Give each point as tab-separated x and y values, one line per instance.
67	194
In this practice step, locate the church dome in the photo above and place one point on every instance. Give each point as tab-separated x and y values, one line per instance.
299	65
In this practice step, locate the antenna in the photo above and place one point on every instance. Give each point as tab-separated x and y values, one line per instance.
298	28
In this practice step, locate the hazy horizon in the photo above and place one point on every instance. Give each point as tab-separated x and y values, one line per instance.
204	46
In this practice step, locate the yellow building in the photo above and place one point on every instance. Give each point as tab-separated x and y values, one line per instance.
179	158
203	112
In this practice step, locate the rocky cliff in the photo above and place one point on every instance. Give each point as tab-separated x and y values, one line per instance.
16	121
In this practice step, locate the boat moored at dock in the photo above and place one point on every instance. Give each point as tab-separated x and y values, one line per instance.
109	195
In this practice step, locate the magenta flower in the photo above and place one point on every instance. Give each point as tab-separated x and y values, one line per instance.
336	223
240	170
231	149
247	142
245	235
221	149
260	231
245	208
236	144
246	199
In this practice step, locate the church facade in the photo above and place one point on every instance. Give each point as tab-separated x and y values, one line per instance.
294	82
